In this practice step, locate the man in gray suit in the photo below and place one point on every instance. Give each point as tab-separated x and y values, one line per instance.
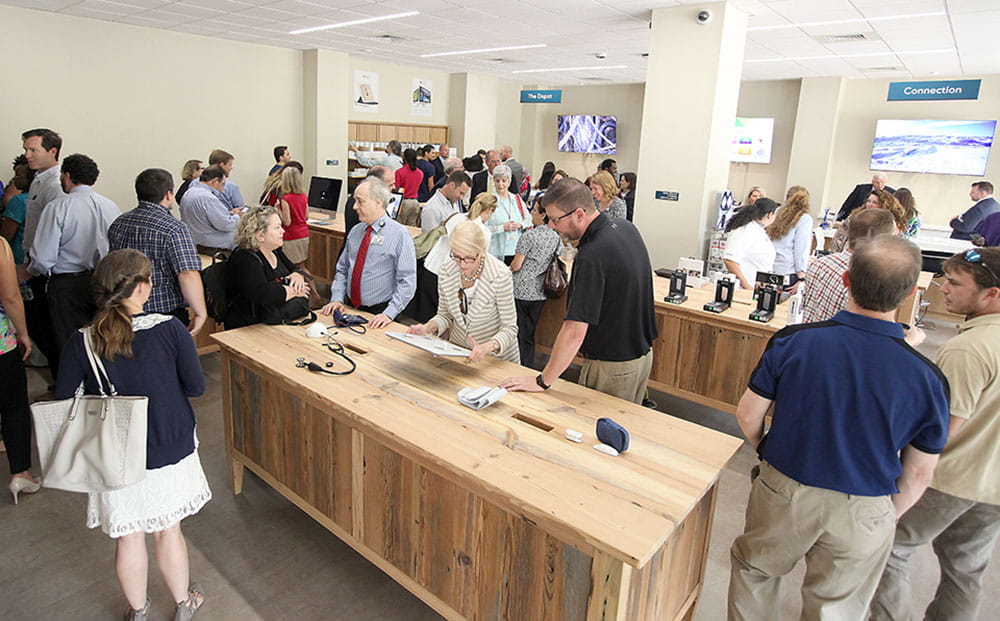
964	225
516	168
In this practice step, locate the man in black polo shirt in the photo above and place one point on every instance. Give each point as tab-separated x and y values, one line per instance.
610	319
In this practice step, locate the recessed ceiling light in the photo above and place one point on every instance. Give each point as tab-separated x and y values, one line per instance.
853	20
485	49
356	22
598	68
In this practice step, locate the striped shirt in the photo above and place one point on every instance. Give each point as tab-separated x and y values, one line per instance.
390	271
825	293
490	311
150	229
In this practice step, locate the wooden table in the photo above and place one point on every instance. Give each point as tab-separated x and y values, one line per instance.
701	356
483	515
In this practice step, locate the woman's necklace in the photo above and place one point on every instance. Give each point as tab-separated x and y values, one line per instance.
479	272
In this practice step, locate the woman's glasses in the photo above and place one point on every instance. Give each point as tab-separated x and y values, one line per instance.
463	260
972	256
463	301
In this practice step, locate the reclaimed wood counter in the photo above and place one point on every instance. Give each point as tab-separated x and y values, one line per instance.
483	515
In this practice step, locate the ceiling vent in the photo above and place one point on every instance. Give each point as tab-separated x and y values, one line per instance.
504	61
389	37
596	79
886	68
848	38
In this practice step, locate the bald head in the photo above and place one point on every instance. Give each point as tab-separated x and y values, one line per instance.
452	164
384	174
883	271
869	223
506	152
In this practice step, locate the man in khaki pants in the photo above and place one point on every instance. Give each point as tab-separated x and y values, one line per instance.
849	394
960	512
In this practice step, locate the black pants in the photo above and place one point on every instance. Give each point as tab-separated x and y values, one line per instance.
528	313
374	309
71	304
15	420
39	321
424	304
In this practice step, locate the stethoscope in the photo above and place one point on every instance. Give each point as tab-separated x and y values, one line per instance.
337	348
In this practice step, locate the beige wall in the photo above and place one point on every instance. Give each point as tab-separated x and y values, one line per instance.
396	92
130	97
777	99
939	197
538	140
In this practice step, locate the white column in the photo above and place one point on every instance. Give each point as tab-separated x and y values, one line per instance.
325	110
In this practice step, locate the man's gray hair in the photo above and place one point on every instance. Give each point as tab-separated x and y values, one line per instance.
880	175
378	190
502	171
452	164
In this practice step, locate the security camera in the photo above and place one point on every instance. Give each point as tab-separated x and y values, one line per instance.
601	55
704	16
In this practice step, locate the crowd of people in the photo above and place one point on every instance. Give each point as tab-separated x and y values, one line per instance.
72	259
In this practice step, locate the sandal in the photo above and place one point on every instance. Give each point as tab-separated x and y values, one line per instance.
187	608
131	614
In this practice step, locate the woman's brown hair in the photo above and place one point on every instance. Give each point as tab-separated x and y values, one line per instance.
789	214
115	280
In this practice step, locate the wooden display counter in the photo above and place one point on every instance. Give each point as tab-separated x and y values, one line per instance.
483	515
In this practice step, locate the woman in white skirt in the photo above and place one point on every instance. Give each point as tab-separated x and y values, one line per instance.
150	355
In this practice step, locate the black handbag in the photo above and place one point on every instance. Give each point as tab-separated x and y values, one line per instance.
294	312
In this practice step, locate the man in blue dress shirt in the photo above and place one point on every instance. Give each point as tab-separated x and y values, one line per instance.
71	238
212	222
377	272
230	192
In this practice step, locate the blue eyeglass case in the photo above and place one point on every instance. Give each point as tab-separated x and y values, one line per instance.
611	433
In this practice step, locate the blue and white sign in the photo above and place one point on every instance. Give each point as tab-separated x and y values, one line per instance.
541	96
924	91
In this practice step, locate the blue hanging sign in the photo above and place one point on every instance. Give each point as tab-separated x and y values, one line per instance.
924	91
541	96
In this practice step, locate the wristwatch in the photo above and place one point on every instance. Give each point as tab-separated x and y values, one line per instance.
541	382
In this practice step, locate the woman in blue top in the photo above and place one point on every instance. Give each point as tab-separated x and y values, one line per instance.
148	355
791	235
510	218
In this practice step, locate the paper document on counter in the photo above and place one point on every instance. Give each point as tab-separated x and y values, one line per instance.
432	344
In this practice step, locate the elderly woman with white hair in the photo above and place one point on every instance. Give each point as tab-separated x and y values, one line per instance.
475	299
509	220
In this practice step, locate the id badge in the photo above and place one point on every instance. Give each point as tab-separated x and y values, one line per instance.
377	240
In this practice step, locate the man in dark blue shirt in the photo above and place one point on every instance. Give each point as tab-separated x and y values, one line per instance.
859	420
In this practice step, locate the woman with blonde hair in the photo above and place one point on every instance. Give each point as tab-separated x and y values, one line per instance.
292	206
605	193
260	278
475	299
791	234
191	171
151	355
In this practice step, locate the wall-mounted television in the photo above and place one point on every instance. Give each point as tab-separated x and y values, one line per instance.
942	147
588	133
752	139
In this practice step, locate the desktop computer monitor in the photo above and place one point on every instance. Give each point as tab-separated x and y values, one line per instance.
324	193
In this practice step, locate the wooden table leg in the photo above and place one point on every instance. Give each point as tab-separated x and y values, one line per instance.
610	579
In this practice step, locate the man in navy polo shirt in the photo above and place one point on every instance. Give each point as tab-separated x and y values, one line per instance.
859	420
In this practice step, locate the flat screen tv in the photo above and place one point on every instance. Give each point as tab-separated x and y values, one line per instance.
752	139
942	147
588	133
324	193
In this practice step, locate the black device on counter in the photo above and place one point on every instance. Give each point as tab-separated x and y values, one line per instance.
723	296
678	282
767	299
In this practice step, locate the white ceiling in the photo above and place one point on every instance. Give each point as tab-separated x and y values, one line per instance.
952	37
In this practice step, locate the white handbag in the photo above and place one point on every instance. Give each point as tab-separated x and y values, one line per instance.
92	443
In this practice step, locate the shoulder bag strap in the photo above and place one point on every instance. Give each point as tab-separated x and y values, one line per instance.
96	365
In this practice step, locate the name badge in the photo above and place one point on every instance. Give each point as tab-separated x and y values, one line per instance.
377	240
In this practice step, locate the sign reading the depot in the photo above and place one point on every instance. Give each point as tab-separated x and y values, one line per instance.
541	96
923	91
666	195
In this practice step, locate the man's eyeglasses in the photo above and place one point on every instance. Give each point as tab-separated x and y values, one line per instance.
463	260
972	256
554	220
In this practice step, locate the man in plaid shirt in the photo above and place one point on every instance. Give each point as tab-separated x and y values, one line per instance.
151	229
826	292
